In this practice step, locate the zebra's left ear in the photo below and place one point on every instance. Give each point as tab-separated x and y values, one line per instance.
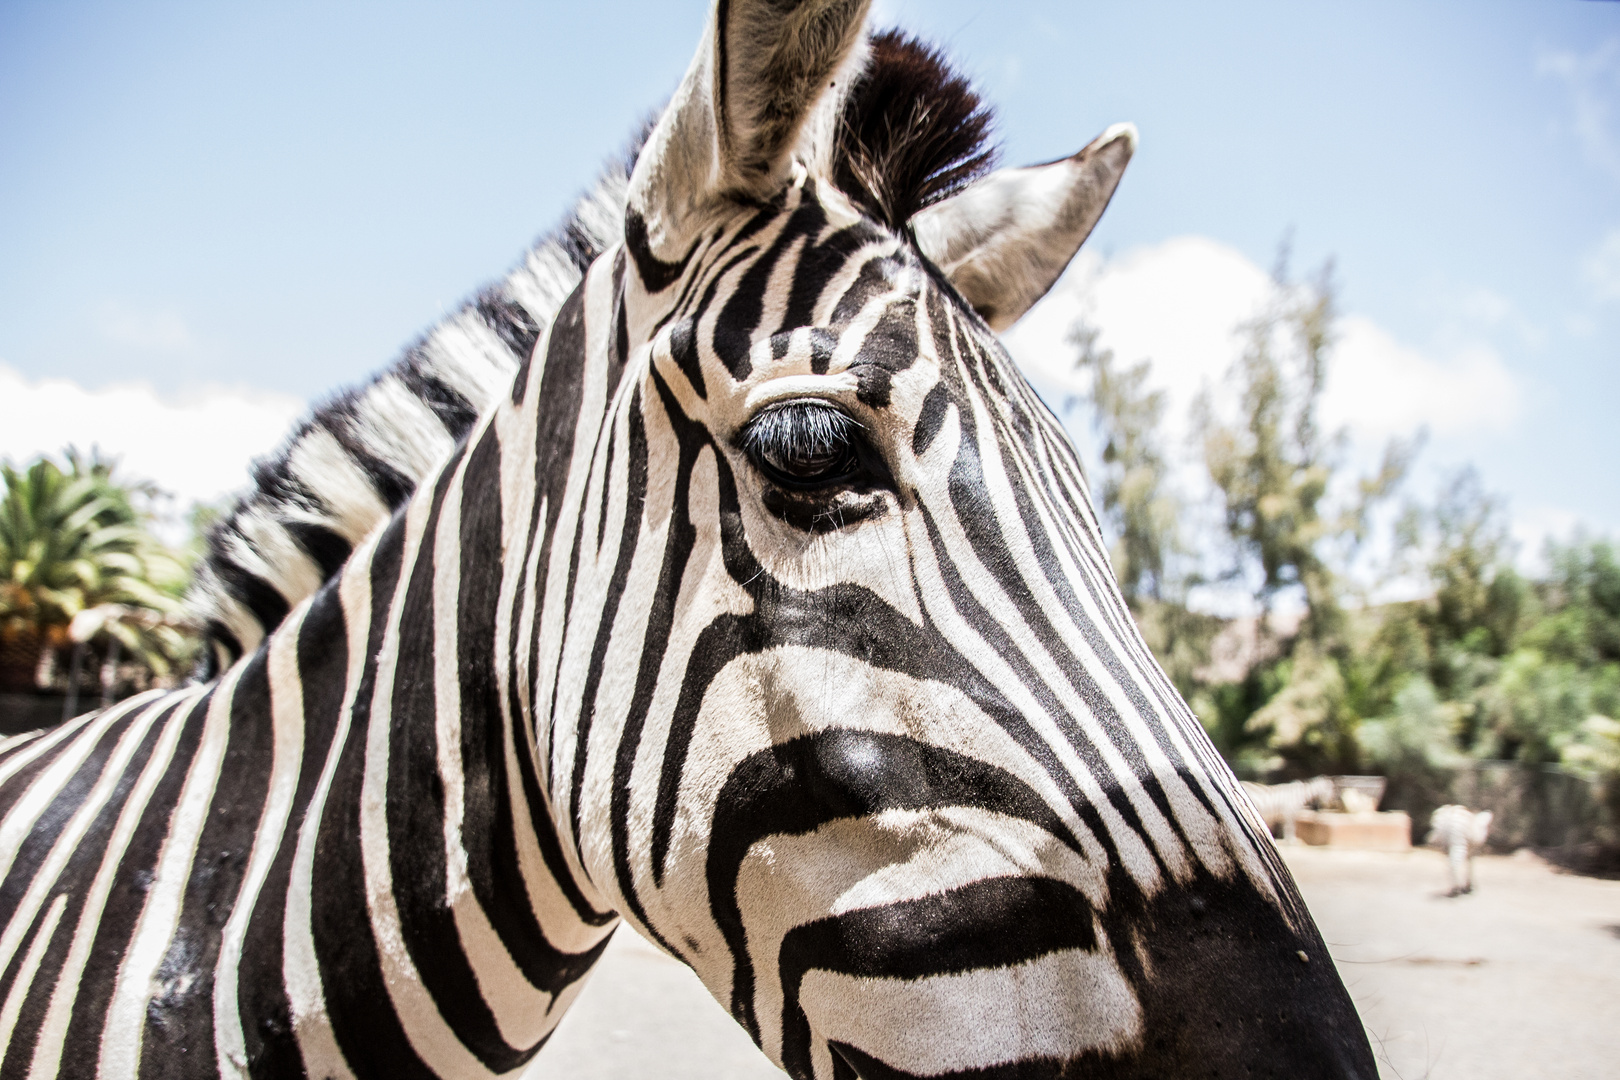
1004	240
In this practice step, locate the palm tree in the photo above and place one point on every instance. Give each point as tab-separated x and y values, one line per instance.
72	540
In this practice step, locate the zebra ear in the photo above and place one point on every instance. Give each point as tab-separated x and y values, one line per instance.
1004	240
733	125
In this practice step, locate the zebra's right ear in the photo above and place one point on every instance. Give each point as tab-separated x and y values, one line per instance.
730	131
1004	240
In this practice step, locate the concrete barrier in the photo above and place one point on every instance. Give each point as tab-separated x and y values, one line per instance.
1387	830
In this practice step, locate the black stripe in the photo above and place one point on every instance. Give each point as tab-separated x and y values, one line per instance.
368	1032
797	786
683	349
487	833
323	662
820	262
328	550
736	322
391	485
510	321
182	1006
263	601
988	924
127	898
620	327
930	419
75	882
455	412
416	813
656	274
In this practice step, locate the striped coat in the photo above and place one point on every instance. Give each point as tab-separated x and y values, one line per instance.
765	610
1459	831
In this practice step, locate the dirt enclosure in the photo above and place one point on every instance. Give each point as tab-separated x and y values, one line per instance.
1519	980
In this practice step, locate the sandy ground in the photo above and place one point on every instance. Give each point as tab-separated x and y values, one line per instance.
1519	980
645	1015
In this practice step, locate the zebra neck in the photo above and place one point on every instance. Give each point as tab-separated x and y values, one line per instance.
439	760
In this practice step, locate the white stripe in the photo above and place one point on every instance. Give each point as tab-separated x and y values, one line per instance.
398	428
286	760
25	974
557	644
520	1010
137	975
23	757
12	742
350	504
515	428
432	1038
40	795
301	971
1056	1007
48	1049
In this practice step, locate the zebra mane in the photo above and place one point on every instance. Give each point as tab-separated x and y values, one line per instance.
911	132
346	467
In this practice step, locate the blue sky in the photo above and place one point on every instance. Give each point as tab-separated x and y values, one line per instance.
208	208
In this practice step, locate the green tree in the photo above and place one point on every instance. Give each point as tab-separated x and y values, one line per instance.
1479	599
1274	467
1291	527
72	540
1140	510
1138	507
1564	665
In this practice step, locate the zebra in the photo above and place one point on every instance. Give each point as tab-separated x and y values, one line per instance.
1280	804
764	610
1460	831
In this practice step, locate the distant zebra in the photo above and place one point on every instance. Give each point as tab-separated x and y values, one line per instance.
1282	803
1460	831
765	609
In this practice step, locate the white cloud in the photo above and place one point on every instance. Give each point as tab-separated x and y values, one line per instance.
1593	82
1380	387
1178	302
1181	302
1602	267
197	445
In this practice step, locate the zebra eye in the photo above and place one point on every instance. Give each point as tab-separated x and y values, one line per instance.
802	443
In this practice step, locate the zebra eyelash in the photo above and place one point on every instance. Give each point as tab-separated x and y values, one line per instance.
803	443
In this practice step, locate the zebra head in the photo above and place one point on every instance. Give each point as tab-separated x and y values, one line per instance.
839	700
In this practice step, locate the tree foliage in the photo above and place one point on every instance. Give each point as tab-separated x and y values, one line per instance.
1488	663
74	544
1273	466
1136	498
1141	509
